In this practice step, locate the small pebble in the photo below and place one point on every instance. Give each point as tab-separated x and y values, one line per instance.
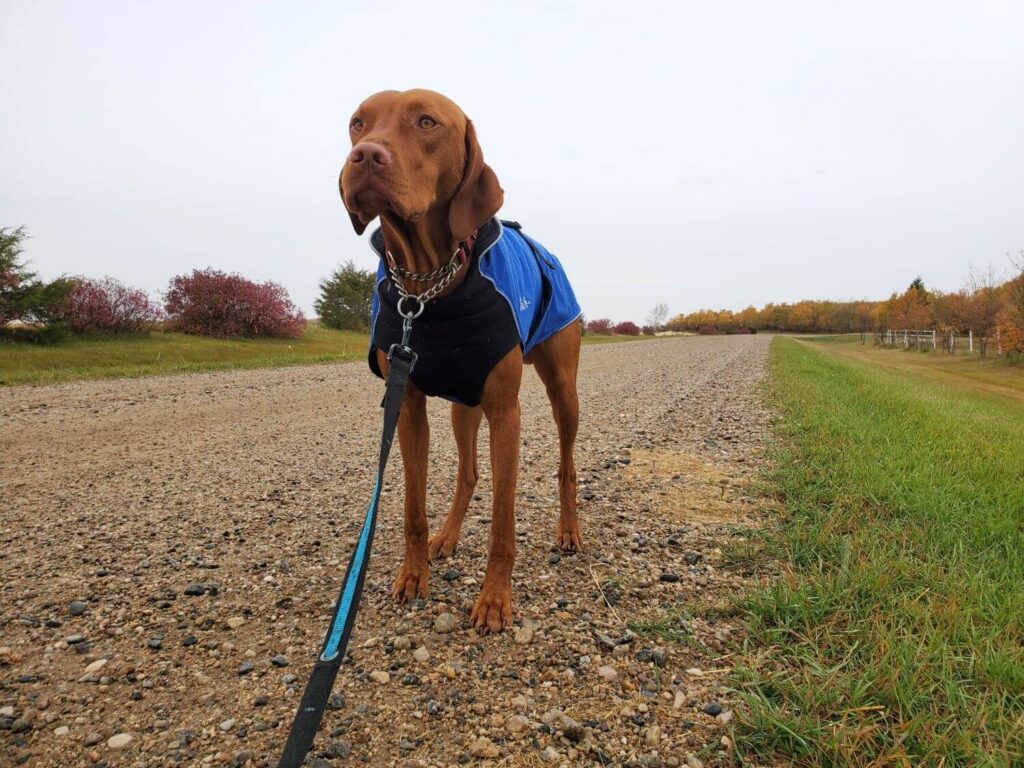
445	623
119	741
608	673
483	747
652	736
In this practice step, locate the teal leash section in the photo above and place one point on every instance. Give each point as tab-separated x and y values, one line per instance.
401	360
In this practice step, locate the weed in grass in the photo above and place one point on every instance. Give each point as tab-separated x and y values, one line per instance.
669	627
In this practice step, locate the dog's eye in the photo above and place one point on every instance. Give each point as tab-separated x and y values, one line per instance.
426	122
356	124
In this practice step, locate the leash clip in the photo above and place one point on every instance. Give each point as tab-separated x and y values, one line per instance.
402	349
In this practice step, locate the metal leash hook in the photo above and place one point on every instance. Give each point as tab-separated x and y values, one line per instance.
407	318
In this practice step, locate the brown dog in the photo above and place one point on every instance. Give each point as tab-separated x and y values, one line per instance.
416	163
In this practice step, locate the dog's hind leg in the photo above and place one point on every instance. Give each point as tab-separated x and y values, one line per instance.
466	425
556	361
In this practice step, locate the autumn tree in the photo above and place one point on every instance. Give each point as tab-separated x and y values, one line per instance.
982	306
658	315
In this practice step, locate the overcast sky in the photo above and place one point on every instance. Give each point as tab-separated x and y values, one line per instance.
701	154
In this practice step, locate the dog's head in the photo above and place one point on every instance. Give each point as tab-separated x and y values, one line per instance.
413	153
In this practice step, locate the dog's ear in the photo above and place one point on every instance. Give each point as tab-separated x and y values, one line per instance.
479	196
357	224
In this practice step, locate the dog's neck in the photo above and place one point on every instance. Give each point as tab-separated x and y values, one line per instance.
420	246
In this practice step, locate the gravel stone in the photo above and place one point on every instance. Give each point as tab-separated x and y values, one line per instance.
445	623
610	674
78	607
523	636
119	741
483	747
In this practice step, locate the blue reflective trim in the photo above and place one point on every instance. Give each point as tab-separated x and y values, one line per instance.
341	618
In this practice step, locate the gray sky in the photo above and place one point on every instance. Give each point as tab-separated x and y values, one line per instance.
701	154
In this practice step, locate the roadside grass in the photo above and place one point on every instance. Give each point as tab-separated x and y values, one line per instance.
105	357
896	633
601	338
159	352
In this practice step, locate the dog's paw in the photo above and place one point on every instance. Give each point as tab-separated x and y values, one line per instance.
570	540
412	582
493	609
443	544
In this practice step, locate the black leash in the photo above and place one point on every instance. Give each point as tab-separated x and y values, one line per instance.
314	699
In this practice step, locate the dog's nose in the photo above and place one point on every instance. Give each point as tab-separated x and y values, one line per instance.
370	153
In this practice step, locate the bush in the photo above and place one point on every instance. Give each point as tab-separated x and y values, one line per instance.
627	328
107	306
213	303
708	330
345	297
601	326
649	330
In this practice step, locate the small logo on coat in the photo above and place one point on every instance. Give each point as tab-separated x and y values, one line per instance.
524	304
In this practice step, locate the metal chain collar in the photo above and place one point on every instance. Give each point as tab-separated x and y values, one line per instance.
443	275
401	271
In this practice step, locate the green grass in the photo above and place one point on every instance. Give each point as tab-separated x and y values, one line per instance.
896	634
602	338
100	358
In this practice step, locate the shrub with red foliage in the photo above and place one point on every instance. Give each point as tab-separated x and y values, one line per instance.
107	306
745	331
600	326
213	303
708	330
627	328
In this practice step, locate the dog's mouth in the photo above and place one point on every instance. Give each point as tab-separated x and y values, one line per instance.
370	195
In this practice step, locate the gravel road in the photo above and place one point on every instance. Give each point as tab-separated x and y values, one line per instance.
172	547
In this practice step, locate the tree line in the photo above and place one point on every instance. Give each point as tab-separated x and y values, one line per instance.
986	307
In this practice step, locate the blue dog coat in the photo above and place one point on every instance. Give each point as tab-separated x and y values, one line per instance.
515	292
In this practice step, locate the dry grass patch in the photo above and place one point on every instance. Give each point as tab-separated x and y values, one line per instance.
693	489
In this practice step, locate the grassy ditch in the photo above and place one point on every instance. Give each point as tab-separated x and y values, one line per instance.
896	635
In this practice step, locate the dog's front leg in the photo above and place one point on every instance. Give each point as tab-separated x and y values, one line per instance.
493	609
414	439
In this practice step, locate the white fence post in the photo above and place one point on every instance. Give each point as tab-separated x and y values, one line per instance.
970	340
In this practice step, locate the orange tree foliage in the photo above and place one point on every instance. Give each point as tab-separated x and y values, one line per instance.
981	307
